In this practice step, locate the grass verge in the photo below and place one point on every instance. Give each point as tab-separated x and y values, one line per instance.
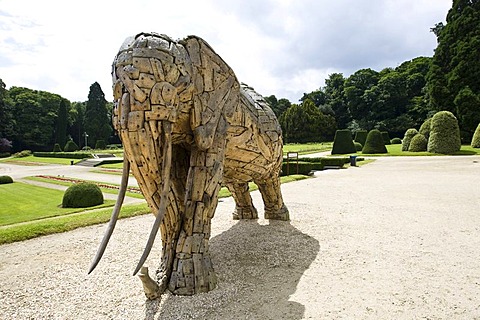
25	231
22	202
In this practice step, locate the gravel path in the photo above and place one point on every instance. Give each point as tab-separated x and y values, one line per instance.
395	239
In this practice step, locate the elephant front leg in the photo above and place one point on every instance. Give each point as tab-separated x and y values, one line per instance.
192	267
244	208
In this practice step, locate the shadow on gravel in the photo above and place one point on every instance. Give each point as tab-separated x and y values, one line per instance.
258	268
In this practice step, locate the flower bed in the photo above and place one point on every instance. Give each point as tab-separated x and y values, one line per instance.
99	184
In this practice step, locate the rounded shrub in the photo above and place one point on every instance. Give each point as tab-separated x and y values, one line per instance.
358	146
56	148
5	179
409	134
418	143
425	128
343	143
386	137
476	138
396	141
361	136
71	146
444	134
82	195
374	143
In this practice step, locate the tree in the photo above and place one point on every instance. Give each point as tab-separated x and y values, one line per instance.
354	91
97	122
35	113
278	106
335	99
77	116
61	124
7	120
306	123
456	65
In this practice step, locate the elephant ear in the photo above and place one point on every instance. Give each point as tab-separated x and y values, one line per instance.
216	92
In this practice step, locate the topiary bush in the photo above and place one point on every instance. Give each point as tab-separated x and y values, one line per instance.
361	136
343	143
409	134
82	195
100	145
5	179
425	128
396	141
56	148
476	138
418	143
386	137
358	146
444	134
71	146
374	143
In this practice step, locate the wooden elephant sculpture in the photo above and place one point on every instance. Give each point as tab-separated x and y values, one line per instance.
188	127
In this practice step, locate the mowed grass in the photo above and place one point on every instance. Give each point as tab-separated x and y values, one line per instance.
396	150
22	202
39	160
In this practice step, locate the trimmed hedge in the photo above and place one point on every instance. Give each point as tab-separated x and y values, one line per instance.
5	179
418	143
425	128
361	136
82	195
68	155
409	134
444	134
374	143
396	141
56	148
343	143
476	138
386	138
100	145
358	146
71	146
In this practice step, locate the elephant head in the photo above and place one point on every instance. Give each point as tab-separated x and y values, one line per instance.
177	106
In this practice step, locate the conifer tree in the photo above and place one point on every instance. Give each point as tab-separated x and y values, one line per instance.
97	122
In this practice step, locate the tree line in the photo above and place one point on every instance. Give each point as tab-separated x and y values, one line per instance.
392	99
396	99
37	120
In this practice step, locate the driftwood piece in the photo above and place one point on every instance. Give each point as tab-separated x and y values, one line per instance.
222	133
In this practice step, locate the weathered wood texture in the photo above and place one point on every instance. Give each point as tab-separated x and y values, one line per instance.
222	132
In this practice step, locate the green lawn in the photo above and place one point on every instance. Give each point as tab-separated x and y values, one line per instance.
40	160
305	148
396	150
23	202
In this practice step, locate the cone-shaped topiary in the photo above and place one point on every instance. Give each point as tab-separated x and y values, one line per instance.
358	146
56	148
100	145
82	195
70	146
444	134
425	128
5	179
374	143
386	137
476	138
361	136
409	134
343	143
418	143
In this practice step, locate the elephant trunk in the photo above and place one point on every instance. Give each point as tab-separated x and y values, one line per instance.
115	214
166	165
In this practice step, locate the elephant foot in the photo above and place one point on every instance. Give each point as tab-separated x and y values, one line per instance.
277	214
192	274
245	213
151	288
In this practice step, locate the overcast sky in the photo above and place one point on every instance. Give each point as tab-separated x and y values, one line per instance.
280	47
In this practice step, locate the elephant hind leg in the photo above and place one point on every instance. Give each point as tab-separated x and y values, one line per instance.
272	198
244	208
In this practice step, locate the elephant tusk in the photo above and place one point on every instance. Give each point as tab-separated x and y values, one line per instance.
166	164
115	214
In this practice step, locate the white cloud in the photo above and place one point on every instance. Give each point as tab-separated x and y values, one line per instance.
280	47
